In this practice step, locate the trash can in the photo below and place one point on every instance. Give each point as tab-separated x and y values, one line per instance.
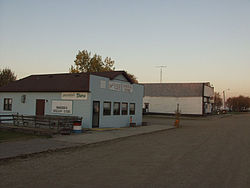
77	127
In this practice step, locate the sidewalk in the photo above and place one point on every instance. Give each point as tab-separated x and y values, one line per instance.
10	150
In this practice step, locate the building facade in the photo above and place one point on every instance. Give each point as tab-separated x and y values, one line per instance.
189	98
108	99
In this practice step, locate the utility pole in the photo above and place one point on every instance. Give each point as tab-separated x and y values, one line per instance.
224	98
161	67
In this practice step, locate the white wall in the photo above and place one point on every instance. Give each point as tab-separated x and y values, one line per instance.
208	91
106	94
208	108
82	108
79	107
187	105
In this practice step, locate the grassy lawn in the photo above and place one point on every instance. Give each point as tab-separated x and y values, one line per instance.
7	136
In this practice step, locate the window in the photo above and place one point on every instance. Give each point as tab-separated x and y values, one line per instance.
132	108
7	104
124	108
107	108
116	108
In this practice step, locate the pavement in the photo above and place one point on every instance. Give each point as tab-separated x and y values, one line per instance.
10	150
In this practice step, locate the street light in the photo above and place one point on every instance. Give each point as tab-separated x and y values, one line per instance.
224	98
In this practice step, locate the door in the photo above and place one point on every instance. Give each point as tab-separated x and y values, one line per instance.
40	106
146	107
96	114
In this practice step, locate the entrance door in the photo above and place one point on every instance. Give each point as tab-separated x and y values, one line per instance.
40	106
96	114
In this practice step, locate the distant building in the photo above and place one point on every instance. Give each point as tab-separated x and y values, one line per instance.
192	98
104	99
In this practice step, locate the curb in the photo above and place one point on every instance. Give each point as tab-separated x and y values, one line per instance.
76	146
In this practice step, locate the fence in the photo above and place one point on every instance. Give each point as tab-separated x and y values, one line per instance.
47	121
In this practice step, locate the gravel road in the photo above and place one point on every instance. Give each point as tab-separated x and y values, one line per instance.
203	153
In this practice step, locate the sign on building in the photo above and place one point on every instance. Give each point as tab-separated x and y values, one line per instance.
127	88
74	95
115	86
62	107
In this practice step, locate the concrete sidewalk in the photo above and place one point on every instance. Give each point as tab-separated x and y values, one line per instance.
10	150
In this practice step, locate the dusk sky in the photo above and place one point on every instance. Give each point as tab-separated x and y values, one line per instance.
198	40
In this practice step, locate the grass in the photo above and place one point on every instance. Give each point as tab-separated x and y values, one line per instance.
7	136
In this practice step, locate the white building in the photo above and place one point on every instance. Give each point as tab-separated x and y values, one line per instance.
102	99
190	98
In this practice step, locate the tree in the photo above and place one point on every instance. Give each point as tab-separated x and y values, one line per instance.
6	76
84	62
238	104
132	77
217	100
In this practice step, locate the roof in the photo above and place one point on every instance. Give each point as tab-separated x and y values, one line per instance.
173	89
112	74
67	82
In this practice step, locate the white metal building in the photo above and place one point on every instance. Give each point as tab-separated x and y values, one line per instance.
192	98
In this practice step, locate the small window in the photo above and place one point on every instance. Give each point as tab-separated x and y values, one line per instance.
7	104
124	108
132	108
107	108
116	108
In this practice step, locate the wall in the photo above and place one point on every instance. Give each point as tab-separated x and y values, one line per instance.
207	108
208	99
83	108
106	94
79	107
208	91
187	105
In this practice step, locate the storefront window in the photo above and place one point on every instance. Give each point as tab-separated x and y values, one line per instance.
132	108
124	108
107	108
116	108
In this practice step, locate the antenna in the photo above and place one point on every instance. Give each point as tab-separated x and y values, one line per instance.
161	67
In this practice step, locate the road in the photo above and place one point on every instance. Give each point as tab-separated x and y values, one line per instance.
203	153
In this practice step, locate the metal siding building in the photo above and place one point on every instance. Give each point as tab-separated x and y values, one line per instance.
192	98
74	95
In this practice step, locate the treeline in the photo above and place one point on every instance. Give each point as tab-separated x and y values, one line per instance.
238	104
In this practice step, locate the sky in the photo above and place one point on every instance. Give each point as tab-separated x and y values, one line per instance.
197	40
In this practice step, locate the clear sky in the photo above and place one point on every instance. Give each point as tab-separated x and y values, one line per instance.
198	40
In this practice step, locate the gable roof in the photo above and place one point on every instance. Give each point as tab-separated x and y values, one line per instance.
173	89
67	82
113	74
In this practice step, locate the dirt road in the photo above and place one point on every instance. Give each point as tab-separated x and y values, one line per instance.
203	153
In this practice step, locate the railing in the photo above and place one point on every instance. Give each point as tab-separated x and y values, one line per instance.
47	121
6	118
